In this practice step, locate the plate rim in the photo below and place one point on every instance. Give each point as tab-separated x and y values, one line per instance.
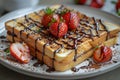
93	73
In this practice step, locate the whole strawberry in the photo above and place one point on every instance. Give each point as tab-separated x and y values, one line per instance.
58	29
97	3
74	21
71	19
118	7
48	16
66	17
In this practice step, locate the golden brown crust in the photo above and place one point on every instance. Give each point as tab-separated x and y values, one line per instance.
64	58
68	62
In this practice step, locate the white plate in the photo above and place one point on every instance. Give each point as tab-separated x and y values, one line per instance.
28	69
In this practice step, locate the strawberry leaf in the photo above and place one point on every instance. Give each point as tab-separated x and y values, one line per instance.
48	11
65	11
113	2
49	24
53	20
96	47
118	12
38	30
7	50
61	19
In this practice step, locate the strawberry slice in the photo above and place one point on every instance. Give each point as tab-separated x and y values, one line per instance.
58	29
21	52
102	54
74	21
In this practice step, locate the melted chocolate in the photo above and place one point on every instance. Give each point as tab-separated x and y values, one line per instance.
43	52
26	18
75	47
56	51
33	58
35	22
96	26
11	59
115	61
37	64
105	29
6	49
37	14
39	38
90	65
13	35
2	37
5	41
117	44
21	34
74	69
50	69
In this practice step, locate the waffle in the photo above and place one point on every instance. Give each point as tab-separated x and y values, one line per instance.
63	53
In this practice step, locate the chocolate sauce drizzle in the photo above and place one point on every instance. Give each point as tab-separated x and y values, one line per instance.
75	47
43	52
105	29
37	14
13	35
96	26
80	33
39	38
2	37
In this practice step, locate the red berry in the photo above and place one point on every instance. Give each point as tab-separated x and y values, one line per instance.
58	29
97	3
80	1
66	17
118	5
74	21
20	52
56	18
71	19
47	18
102	54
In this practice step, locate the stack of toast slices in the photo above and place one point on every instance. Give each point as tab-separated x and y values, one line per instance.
63	53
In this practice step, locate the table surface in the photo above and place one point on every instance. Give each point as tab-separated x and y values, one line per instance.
7	74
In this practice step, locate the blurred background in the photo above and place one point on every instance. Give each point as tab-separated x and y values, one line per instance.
111	6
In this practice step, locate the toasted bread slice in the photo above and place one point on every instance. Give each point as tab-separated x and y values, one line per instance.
28	28
68	62
50	50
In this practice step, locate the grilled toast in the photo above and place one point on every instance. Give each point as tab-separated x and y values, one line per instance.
61	53
68	62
